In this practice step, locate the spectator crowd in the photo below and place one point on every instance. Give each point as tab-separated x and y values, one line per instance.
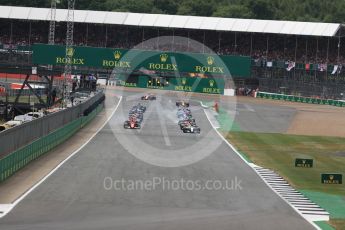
268	47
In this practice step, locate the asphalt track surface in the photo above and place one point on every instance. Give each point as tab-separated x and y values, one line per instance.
74	197
263	118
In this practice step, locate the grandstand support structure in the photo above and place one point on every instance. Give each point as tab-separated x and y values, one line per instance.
51	35
51	39
69	50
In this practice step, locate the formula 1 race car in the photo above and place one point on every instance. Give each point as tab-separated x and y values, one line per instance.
182	103
137	109
132	123
191	129
186	124
149	97
183	109
137	116
190	120
184	117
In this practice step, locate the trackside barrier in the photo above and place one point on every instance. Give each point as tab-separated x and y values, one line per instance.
21	157
21	135
308	100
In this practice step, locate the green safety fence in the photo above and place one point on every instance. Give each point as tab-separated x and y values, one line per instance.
308	100
21	157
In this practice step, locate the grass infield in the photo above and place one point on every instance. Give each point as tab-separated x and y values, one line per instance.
279	151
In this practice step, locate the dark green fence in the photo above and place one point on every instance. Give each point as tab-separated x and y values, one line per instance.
21	157
309	100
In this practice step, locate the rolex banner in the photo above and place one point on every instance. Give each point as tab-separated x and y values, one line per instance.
185	84
149	61
331	178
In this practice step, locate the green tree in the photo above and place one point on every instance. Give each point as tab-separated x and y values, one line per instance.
196	7
233	11
166	6
261	9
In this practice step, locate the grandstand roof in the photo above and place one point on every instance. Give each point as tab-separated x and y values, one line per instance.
176	21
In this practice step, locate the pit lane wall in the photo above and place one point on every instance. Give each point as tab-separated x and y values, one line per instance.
23	156
292	98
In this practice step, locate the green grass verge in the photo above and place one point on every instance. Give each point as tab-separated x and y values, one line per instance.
324	225
226	123
334	204
279	151
338	224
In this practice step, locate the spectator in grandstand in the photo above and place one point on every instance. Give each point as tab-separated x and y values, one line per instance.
262	49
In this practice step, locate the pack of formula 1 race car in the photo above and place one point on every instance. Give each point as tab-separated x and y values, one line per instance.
135	117
185	119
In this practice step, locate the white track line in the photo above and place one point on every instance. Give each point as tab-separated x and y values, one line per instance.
249	108
8	207
163	126
251	165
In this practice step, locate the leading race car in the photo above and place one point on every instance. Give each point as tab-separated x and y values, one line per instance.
191	129
149	97
182	103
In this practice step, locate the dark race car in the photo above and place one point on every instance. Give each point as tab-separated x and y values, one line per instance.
137	109
191	129
190	120
149	97
183	110
184	117
187	124
182	104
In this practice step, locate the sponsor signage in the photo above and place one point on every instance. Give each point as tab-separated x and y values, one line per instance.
331	178
185	84
131	60
304	163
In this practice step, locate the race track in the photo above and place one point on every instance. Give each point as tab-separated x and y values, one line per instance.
75	196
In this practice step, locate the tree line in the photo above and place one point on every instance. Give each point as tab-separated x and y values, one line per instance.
306	10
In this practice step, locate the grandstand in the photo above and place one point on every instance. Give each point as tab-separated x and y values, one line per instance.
300	58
